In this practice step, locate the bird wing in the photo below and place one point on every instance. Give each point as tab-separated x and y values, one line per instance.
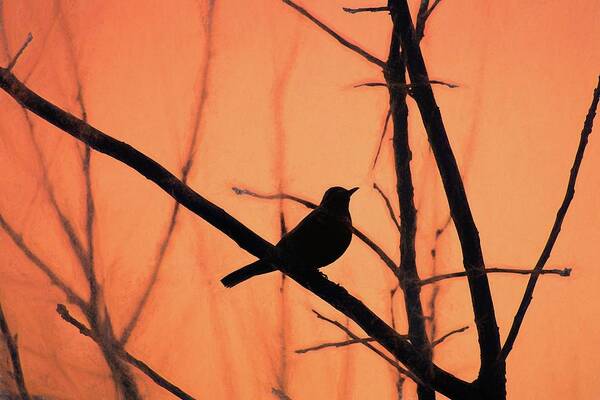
317	240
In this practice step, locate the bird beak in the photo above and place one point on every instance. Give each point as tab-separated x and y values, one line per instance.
351	191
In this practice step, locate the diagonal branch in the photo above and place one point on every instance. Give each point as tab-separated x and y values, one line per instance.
335	35
561	272
424	13
447	335
364	9
137	363
560	216
11	344
364	238
383	132
389	207
335	344
248	240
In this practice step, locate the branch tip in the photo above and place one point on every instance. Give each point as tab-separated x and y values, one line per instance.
21	50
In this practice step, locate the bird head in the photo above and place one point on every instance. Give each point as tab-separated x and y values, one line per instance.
337	199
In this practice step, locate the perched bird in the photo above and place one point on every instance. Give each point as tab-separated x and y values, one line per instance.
318	240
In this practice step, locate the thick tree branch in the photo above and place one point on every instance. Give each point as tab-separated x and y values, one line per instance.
332	293
137	363
308	204
408	277
560	216
335	35
15	359
492	375
459	274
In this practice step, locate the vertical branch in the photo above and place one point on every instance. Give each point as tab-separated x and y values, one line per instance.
436	287
491	380
11	344
401	378
205	70
395	75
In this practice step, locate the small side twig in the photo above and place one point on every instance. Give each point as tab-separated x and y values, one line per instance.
334	344
561	272
381	354
122	353
21	50
383	132
408	86
15	359
447	335
388	205
366	55
365	9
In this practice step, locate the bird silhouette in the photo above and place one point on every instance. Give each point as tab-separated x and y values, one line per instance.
317	241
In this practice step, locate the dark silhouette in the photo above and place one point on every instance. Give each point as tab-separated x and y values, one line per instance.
317	241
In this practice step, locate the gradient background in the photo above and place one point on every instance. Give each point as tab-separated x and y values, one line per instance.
281	113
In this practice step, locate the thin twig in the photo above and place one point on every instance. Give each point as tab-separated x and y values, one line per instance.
335	344
335	35
122	353
367	344
407	86
383	132
308	204
21	50
365	9
388	205
437	278
560	216
447	335
13	350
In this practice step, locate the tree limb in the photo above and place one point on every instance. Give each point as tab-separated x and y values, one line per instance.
13	351
437	278
332	293
560	216
364	9
122	353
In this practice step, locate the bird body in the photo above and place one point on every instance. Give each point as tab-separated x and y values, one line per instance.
317	241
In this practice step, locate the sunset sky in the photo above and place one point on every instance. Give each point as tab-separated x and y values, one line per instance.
261	99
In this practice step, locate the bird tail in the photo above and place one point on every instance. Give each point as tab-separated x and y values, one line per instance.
240	275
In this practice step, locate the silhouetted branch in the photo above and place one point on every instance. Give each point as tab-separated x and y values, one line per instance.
383	132
335	344
335	35
407	86
447	335
20	51
437	278
372	245
491	379
388	205
248	240
560	216
15	359
140	365
367	344
280	394
424	13
364	9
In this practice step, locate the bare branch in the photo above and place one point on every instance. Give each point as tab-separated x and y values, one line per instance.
407	86
140	365
447	335
383	132
364	9
42	266
367	344
280	394
422	16
334	294
11	344
388	205
20	51
560	216
335	344
437	278
335	35
372	245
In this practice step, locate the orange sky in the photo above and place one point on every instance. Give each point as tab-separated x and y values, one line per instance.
281	110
